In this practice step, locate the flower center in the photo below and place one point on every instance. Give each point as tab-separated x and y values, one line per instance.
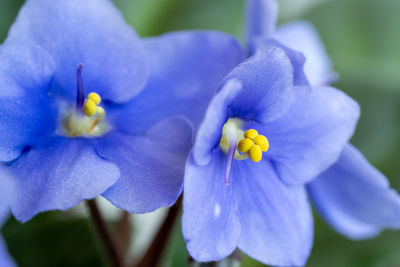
87	119
239	144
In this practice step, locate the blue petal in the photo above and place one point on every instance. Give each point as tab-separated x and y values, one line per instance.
91	32
303	37
355	198
25	112
210	130
210	225
310	136
276	220
59	176
261	18
7	194
267	79
151	165
186	70
296	58
5	259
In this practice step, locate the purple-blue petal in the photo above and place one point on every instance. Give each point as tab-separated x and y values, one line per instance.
5	259
186	69
59	175
303	37
311	135
7	194
151	165
210	224
276	220
267	79
210	130
355	198
91	32
296	58
262	16
25	111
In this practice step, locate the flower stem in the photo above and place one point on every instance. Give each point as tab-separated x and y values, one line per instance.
124	234
155	252
104	233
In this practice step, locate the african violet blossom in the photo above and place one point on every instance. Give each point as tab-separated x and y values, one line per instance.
354	197
262	207
63	144
266	134
6	196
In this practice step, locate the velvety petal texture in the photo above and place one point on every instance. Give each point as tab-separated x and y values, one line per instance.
210	222
151	165
91	32
296	58
276	220
26	113
186	69
355	198
257	212
267	79
310	136
303	37
59	176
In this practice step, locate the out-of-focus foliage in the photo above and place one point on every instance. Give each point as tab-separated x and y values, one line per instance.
363	40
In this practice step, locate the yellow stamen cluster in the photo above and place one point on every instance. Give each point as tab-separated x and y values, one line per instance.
253	144
91	108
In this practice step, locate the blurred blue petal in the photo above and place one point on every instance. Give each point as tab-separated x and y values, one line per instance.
59	176
7	194
355	198
303	37
151	165
262	16
91	32
186	69
5	259
276	220
210	222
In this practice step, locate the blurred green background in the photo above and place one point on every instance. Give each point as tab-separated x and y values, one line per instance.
362	37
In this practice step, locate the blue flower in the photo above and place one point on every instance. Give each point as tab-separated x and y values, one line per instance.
266	134
124	140
7	192
262	207
353	196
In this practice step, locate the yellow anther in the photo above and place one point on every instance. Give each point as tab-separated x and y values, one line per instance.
251	133
90	108
94	97
245	145
262	141
255	153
